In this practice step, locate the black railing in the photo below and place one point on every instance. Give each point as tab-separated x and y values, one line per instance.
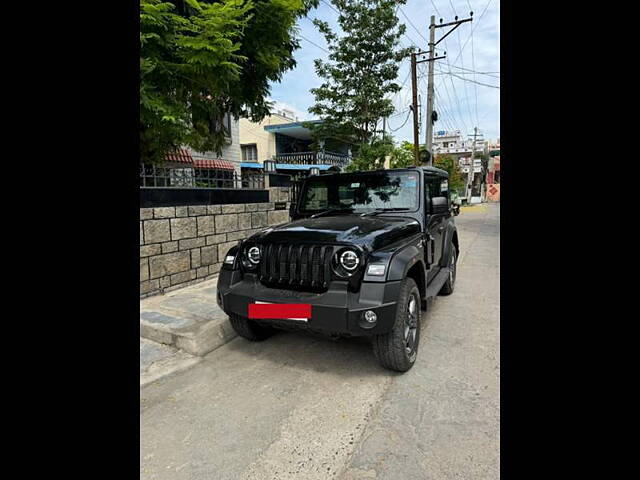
313	158
154	176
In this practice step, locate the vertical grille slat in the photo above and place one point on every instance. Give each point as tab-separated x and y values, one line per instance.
263	264
310	266
327	265
272	263
282	258
304	266
292	264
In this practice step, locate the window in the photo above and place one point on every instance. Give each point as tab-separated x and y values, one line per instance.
249	153
362	192
437	187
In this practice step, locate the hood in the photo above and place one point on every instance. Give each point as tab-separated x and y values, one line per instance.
371	232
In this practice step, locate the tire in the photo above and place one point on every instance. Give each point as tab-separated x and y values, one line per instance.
447	288
249	329
393	349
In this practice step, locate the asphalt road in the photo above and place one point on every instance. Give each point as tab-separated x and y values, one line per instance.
303	407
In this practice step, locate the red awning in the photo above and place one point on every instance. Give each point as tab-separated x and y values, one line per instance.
218	164
179	156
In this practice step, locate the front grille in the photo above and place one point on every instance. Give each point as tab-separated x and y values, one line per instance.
300	267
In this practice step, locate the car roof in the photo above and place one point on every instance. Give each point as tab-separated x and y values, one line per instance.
428	170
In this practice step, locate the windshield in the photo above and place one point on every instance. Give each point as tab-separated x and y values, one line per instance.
363	192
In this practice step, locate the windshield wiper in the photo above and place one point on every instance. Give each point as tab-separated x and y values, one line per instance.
332	210
389	209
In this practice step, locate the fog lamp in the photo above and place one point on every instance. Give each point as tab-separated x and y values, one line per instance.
370	316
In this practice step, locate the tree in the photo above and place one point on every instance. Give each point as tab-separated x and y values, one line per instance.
203	60
360	73
450	164
371	156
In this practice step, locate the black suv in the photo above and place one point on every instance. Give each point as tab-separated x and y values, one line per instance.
361	256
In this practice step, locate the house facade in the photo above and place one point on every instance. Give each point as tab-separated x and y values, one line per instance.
187	167
285	139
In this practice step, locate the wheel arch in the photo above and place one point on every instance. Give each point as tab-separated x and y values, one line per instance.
450	239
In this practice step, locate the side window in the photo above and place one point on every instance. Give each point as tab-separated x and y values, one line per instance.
436	187
316	197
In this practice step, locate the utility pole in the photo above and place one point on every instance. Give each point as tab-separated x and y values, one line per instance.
432	58
471	175
428	140
414	107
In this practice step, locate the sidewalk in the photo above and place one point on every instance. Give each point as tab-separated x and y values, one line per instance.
180	327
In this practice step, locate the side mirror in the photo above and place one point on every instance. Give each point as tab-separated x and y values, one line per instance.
439	205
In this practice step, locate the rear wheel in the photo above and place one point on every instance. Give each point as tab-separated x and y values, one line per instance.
398	349
250	329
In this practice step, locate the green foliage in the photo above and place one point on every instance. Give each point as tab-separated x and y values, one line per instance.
360	74
371	156
450	164
201	60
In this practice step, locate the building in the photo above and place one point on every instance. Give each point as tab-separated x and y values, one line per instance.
452	142
285	139
189	168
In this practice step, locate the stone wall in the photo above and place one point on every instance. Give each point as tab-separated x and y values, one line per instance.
180	246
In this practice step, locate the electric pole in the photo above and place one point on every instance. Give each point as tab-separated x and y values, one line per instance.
414	107
432	58
428	140
471	175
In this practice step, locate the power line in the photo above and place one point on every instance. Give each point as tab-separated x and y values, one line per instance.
411	23
474	71
444	72
331	6
475	85
436	8
462	123
403	124
313	43
470	81
464	85
472	29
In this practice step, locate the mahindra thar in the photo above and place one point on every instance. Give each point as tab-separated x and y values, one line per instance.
361	256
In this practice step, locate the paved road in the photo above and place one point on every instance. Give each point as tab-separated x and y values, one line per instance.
301	407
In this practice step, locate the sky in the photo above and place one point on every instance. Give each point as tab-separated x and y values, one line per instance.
472	47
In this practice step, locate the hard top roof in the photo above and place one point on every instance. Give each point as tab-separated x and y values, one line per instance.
428	170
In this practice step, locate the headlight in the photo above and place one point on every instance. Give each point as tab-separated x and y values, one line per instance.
254	255
376	269
349	260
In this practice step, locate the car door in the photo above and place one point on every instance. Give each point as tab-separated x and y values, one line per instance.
435	225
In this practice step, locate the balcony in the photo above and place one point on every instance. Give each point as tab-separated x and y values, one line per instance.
313	158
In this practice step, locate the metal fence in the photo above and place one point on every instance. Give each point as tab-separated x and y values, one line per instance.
313	158
158	176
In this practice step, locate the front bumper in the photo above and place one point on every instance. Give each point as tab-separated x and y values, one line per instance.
336	311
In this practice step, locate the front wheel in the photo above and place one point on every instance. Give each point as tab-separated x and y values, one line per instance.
250	329
398	349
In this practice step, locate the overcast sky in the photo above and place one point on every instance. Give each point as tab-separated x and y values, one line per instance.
460	104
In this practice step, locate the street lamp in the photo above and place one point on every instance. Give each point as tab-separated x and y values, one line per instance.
314	171
269	166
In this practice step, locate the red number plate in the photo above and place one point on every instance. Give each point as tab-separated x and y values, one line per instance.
286	311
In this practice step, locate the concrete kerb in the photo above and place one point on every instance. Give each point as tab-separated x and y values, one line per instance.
188	319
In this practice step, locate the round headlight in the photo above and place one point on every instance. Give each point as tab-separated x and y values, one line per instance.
254	255
349	260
